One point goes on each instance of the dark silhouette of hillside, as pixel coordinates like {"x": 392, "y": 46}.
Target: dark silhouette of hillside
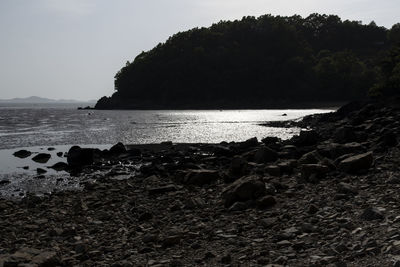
{"x": 270, "y": 61}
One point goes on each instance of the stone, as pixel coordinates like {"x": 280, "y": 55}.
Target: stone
{"x": 356, "y": 163}
{"x": 287, "y": 166}
{"x": 266, "y": 202}
{"x": 41, "y": 158}
{"x": 312, "y": 157}
{"x": 239, "y": 206}
{"x": 22, "y": 153}
{"x": 172, "y": 240}
{"x": 335, "y": 150}
{"x": 371, "y": 214}
{"x": 226, "y": 259}
{"x": 345, "y": 188}
{"x": 201, "y": 177}
{"x": 317, "y": 170}
{"x": 60, "y": 166}
{"x": 145, "y": 216}
{"x": 344, "y": 134}
{"x": 249, "y": 143}
{"x": 306, "y": 138}
{"x": 265, "y": 154}
{"x": 117, "y": 149}
{"x": 273, "y": 170}
{"x": 243, "y": 189}
{"x": 222, "y": 151}
{"x": 268, "y": 222}
{"x": 40, "y": 171}
{"x": 238, "y": 167}
{"x": 161, "y": 189}
{"x": 312, "y": 209}
{"x": 388, "y": 139}
{"x": 78, "y": 157}
{"x": 270, "y": 140}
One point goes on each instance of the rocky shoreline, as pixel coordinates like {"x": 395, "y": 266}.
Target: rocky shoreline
{"x": 326, "y": 197}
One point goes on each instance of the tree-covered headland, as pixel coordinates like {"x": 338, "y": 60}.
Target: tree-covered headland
{"x": 264, "y": 62}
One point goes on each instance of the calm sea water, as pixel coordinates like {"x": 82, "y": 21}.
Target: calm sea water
{"x": 39, "y": 127}
{"x": 25, "y": 125}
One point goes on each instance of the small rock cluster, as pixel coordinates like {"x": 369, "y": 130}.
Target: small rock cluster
{"x": 328, "y": 196}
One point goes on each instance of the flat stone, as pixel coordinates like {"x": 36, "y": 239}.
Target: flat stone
{"x": 372, "y": 213}
{"x": 356, "y": 163}
{"x": 41, "y": 158}
{"x": 22, "y": 153}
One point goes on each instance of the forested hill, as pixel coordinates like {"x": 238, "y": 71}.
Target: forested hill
{"x": 263, "y": 62}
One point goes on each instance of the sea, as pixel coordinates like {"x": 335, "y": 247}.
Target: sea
{"x": 53, "y": 128}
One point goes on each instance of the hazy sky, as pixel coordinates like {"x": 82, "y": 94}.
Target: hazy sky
{"x": 73, "y": 48}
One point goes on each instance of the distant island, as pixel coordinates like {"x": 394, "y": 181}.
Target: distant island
{"x": 264, "y": 62}
{"x": 41, "y": 100}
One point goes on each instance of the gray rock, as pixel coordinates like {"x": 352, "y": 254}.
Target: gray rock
{"x": 265, "y": 154}
{"x": 317, "y": 170}
{"x": 40, "y": 171}
{"x": 22, "y": 153}
{"x": 371, "y": 214}
{"x": 238, "y": 167}
{"x": 60, "y": 166}
{"x": 356, "y": 163}
{"x": 78, "y": 157}
{"x": 41, "y": 158}
{"x": 266, "y": 202}
{"x": 345, "y": 188}
{"x": 273, "y": 170}
{"x": 161, "y": 189}
{"x": 306, "y": 138}
{"x": 243, "y": 189}
{"x": 312, "y": 157}
{"x": 201, "y": 177}
{"x": 249, "y": 143}
{"x": 118, "y": 149}
{"x": 312, "y": 209}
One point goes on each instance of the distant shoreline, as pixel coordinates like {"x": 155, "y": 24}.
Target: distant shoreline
{"x": 278, "y": 106}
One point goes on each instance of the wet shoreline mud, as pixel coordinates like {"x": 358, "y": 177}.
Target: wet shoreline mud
{"x": 328, "y": 196}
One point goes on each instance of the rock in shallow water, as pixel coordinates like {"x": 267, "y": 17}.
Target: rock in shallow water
{"x": 41, "y": 158}
{"x": 60, "y": 166}
{"x": 78, "y": 157}
{"x": 22, "y": 153}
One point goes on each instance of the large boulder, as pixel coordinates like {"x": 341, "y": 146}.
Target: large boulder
{"x": 244, "y": 189}
{"x": 335, "y": 150}
{"x": 265, "y": 154}
{"x": 238, "y": 167}
{"x": 201, "y": 177}
{"x": 118, "y": 149}
{"x": 78, "y": 157}
{"x": 306, "y": 138}
{"x": 357, "y": 163}
{"x": 249, "y": 143}
{"x": 345, "y": 134}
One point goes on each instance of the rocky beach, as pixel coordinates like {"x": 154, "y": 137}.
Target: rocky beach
{"x": 327, "y": 197}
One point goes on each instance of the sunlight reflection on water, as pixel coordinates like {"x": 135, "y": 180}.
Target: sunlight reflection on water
{"x": 66, "y": 125}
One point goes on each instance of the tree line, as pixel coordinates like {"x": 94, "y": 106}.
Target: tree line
{"x": 263, "y": 62}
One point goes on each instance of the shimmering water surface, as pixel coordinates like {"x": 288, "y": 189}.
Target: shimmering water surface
{"x": 25, "y": 126}
{"x": 37, "y": 128}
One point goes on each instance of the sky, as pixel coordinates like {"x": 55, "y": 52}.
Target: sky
{"x": 71, "y": 49}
